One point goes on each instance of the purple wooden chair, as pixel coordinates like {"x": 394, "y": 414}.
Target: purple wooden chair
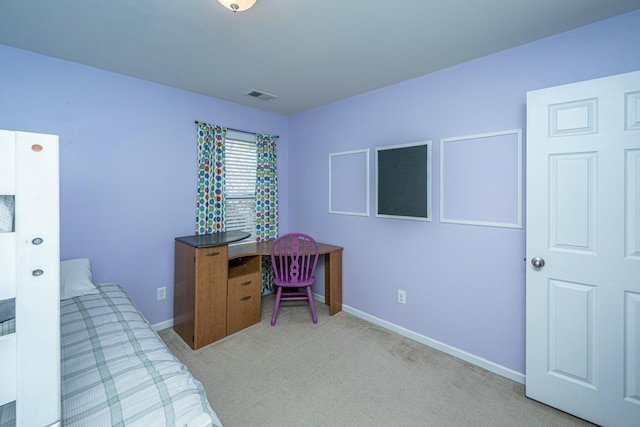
{"x": 294, "y": 257}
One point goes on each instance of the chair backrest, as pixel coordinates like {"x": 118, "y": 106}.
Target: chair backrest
{"x": 294, "y": 257}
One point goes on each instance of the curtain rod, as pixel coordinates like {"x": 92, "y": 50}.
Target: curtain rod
{"x": 236, "y": 130}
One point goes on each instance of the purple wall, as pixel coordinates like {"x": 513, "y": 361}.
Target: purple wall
{"x": 465, "y": 284}
{"x": 128, "y": 163}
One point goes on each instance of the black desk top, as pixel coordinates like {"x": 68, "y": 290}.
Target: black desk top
{"x": 216, "y": 239}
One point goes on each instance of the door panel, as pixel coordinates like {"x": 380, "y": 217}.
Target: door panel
{"x": 632, "y": 346}
{"x": 572, "y": 202}
{"x": 571, "y": 331}
{"x": 632, "y": 204}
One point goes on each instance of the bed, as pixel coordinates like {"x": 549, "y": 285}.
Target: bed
{"x": 115, "y": 369}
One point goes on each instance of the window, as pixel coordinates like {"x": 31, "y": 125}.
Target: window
{"x": 240, "y": 184}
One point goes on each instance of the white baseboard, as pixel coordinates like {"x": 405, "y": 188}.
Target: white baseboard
{"x": 460, "y": 354}
{"x": 163, "y": 325}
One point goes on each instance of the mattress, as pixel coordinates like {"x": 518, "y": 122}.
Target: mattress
{"x": 116, "y": 371}
{"x": 7, "y": 316}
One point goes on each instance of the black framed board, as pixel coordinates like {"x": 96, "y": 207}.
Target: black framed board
{"x": 403, "y": 181}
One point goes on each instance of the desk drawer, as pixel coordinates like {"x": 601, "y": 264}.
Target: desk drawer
{"x": 249, "y": 284}
{"x": 243, "y": 302}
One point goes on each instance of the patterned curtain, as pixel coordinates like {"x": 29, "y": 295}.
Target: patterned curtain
{"x": 210, "y": 202}
{"x": 266, "y": 200}
{"x": 266, "y": 188}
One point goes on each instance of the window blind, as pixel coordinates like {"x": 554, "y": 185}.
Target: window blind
{"x": 240, "y": 185}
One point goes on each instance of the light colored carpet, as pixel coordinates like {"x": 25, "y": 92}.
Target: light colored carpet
{"x": 345, "y": 371}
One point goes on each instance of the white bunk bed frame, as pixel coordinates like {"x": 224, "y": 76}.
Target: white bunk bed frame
{"x": 30, "y": 279}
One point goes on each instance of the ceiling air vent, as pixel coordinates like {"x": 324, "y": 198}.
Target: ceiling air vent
{"x": 261, "y": 95}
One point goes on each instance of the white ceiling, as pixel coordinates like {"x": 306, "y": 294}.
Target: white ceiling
{"x": 306, "y": 52}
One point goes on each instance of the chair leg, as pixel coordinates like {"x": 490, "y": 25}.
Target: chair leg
{"x": 277, "y": 304}
{"x": 313, "y": 308}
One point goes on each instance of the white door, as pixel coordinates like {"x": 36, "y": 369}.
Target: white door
{"x": 583, "y": 249}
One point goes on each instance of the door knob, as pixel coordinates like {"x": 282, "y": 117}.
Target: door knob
{"x": 537, "y": 262}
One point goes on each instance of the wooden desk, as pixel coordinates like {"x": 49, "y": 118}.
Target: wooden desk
{"x": 332, "y": 267}
{"x": 217, "y": 287}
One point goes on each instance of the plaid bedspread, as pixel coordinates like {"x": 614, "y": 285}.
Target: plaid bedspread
{"x": 116, "y": 371}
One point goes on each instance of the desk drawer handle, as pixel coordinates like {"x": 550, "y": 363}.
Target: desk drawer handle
{"x": 245, "y": 298}
{"x": 248, "y": 282}
{"x": 213, "y": 253}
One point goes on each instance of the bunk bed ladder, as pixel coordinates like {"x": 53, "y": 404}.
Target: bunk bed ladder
{"x": 30, "y": 280}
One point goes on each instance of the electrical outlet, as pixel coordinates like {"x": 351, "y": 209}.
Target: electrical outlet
{"x": 402, "y": 296}
{"x": 162, "y": 293}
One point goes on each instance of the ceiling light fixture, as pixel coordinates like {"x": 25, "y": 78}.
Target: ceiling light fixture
{"x": 237, "y": 5}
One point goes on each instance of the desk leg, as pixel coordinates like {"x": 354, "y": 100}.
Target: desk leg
{"x": 333, "y": 281}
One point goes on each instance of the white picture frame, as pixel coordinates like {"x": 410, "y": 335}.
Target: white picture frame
{"x": 349, "y": 183}
{"x": 481, "y": 179}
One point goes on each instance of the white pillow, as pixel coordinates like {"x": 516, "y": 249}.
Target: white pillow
{"x": 75, "y": 278}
